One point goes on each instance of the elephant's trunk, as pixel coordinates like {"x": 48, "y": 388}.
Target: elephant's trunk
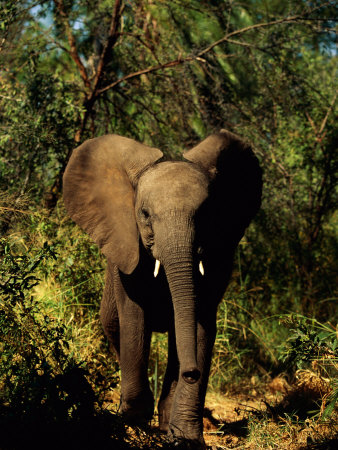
{"x": 178, "y": 265}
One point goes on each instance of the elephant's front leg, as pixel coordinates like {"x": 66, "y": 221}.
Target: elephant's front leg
{"x": 137, "y": 402}
{"x": 186, "y": 420}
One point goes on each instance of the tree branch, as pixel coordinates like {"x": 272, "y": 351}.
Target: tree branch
{"x": 256, "y": 26}
{"x": 199, "y": 55}
{"x": 109, "y": 44}
{"x": 104, "y": 59}
{"x": 145, "y": 71}
{"x": 72, "y": 44}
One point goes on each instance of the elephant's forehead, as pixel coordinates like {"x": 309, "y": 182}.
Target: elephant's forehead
{"x": 174, "y": 181}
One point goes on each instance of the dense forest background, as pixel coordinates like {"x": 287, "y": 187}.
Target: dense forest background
{"x": 167, "y": 74}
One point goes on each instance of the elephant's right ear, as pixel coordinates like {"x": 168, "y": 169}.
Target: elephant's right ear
{"x": 235, "y": 181}
{"x": 98, "y": 191}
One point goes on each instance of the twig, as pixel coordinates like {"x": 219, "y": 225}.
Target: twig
{"x": 327, "y": 114}
{"x": 312, "y": 124}
{"x": 319, "y": 133}
{"x": 4, "y": 208}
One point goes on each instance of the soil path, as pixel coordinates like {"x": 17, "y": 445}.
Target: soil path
{"x": 259, "y": 416}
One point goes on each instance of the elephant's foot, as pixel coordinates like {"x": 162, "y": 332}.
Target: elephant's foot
{"x": 188, "y": 444}
{"x": 164, "y": 408}
{"x": 185, "y": 439}
{"x": 138, "y": 410}
{"x": 163, "y": 417}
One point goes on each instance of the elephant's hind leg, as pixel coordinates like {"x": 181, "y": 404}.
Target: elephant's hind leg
{"x": 108, "y": 312}
{"x": 169, "y": 383}
{"x": 137, "y": 401}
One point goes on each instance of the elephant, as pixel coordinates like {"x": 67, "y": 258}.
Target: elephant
{"x": 169, "y": 230}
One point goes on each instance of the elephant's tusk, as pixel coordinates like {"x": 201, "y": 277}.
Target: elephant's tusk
{"x": 201, "y": 268}
{"x": 157, "y": 268}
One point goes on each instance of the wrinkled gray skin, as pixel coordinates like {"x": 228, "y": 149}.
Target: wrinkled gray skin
{"x": 138, "y": 208}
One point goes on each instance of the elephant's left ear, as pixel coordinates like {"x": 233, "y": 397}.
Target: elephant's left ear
{"x": 235, "y": 179}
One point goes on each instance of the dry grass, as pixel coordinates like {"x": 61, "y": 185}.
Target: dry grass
{"x": 272, "y": 415}
{"x": 256, "y": 415}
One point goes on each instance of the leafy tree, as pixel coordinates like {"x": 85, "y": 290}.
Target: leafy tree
{"x": 170, "y": 73}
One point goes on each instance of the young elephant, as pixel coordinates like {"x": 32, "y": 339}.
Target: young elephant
{"x": 185, "y": 218}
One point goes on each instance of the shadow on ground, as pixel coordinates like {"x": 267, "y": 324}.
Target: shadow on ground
{"x": 239, "y": 421}
{"x": 103, "y": 432}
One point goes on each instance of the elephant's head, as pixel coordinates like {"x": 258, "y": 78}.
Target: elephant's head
{"x": 186, "y": 212}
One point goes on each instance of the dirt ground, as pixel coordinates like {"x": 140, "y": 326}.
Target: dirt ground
{"x": 269, "y": 415}
{"x": 226, "y": 419}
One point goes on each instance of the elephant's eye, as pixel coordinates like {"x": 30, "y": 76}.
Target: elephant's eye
{"x": 145, "y": 214}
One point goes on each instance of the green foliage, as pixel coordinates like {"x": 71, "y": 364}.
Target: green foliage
{"x": 309, "y": 340}
{"x": 37, "y": 129}
{"x": 52, "y": 382}
{"x": 313, "y": 342}
{"x": 39, "y": 375}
